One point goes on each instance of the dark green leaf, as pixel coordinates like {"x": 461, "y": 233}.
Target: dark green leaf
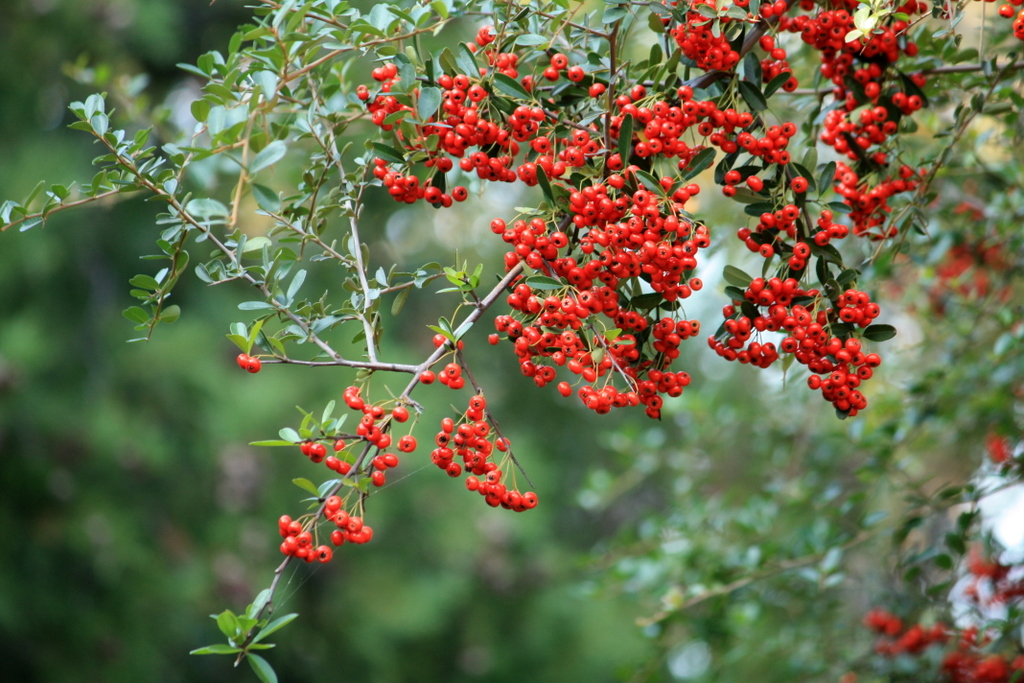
{"x": 543, "y": 282}
{"x": 625, "y": 144}
{"x": 388, "y": 153}
{"x": 702, "y": 160}
{"x": 879, "y": 333}
{"x": 736, "y": 277}
{"x": 752, "y": 96}
{"x": 510, "y": 86}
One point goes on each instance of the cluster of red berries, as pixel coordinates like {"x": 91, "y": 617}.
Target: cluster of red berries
{"x": 247, "y": 362}
{"x": 807, "y": 318}
{"x": 473, "y": 441}
{"x": 703, "y": 43}
{"x": 899, "y": 641}
{"x": 623, "y": 236}
{"x": 993, "y": 583}
{"x": 299, "y": 541}
{"x": 965, "y": 664}
{"x": 859, "y": 71}
{"x": 628, "y": 232}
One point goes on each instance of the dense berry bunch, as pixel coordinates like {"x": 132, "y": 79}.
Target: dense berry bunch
{"x": 967, "y": 662}
{"x": 820, "y": 336}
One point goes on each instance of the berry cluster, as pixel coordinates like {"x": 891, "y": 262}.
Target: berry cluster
{"x": 820, "y": 336}
{"x": 967, "y": 663}
{"x": 703, "y": 42}
{"x": 475, "y": 443}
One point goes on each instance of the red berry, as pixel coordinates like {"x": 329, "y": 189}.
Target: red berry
{"x": 400, "y": 413}
{"x": 243, "y": 360}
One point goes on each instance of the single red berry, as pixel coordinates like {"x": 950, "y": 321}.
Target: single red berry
{"x": 427, "y": 377}
{"x": 407, "y": 444}
{"x": 400, "y": 413}
{"x": 253, "y": 365}
{"x": 559, "y": 61}
{"x": 378, "y": 478}
{"x": 597, "y": 89}
{"x": 459, "y": 193}
{"x": 799, "y": 184}
{"x": 243, "y": 360}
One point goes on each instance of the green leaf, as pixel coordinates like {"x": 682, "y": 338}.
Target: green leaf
{"x": 200, "y": 110}
{"x": 399, "y": 302}
{"x": 752, "y": 96}
{"x": 272, "y": 442}
{"x": 296, "y": 283}
{"x": 736, "y": 277}
{"x": 466, "y": 61}
{"x": 735, "y": 293}
{"x": 776, "y": 83}
{"x": 510, "y": 86}
{"x": 698, "y": 163}
{"x": 275, "y": 625}
{"x": 289, "y": 434}
{"x": 170, "y": 314}
{"x": 227, "y": 622}
{"x": 545, "y": 185}
{"x": 216, "y": 649}
{"x": 266, "y": 198}
{"x": 879, "y": 333}
{"x": 254, "y": 305}
{"x": 527, "y": 39}
{"x": 136, "y": 314}
{"x": 144, "y": 281}
{"x": 259, "y": 603}
{"x": 255, "y": 244}
{"x": 429, "y": 101}
{"x": 388, "y": 153}
{"x": 613, "y": 14}
{"x": 205, "y": 207}
{"x": 544, "y": 282}
{"x": 625, "y": 143}
{"x": 263, "y": 670}
{"x": 268, "y": 156}
{"x": 306, "y": 485}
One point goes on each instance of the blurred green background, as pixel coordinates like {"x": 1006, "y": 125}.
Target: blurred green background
{"x": 131, "y": 506}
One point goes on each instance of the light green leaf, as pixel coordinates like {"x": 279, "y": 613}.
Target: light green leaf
{"x": 263, "y": 670}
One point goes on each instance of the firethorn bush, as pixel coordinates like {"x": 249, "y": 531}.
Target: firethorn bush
{"x": 800, "y": 166}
